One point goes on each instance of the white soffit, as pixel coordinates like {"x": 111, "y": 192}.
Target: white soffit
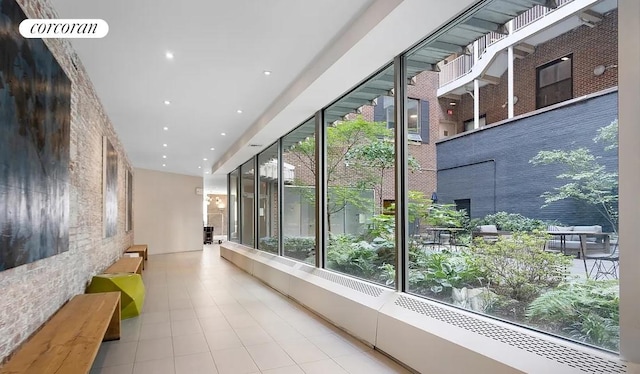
{"x": 373, "y": 40}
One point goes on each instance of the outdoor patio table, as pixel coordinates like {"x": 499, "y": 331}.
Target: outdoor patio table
{"x": 436, "y": 233}
{"x": 583, "y": 242}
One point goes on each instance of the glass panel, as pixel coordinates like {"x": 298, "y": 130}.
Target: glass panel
{"x": 268, "y": 204}
{"x": 247, "y": 188}
{"x": 413, "y": 121}
{"x": 523, "y": 224}
{"x": 299, "y": 209}
{"x": 413, "y": 114}
{"x": 559, "y": 71}
{"x": 360, "y": 166}
{"x": 233, "y": 205}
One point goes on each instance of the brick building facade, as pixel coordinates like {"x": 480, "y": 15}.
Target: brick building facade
{"x": 588, "y": 46}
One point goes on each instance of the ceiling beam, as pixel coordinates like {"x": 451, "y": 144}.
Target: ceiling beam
{"x": 524, "y": 47}
{"x": 338, "y": 109}
{"x": 354, "y": 100}
{"x": 372, "y": 91}
{"x": 442, "y": 46}
{"x": 451, "y": 96}
{"x": 421, "y": 65}
{"x": 482, "y": 24}
{"x": 490, "y": 79}
{"x": 590, "y": 16}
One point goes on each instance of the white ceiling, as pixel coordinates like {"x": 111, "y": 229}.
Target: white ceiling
{"x": 315, "y": 50}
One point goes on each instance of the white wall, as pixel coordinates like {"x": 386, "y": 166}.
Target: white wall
{"x": 167, "y": 213}
{"x": 629, "y": 155}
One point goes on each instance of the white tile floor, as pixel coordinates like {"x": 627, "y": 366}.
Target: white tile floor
{"x": 204, "y": 315}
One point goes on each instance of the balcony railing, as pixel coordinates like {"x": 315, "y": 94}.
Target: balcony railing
{"x": 534, "y": 14}
{"x": 463, "y": 64}
{"x": 455, "y": 69}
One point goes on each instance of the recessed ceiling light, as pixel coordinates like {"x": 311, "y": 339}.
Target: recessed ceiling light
{"x": 167, "y": 102}
{"x": 206, "y": 172}
{"x": 213, "y": 149}
{"x": 204, "y": 159}
{"x": 164, "y": 156}
{"x": 266, "y": 72}
{"x": 164, "y": 145}
{"x": 165, "y": 128}
{"x": 164, "y": 164}
{"x": 169, "y": 55}
{"x": 223, "y": 133}
{"x": 199, "y": 167}
{"x": 239, "y": 111}
{"x": 452, "y": 103}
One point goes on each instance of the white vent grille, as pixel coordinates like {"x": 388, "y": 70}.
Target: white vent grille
{"x": 354, "y": 284}
{"x": 550, "y": 350}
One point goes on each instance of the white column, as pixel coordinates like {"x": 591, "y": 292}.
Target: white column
{"x": 510, "y": 75}
{"x": 476, "y": 90}
{"x": 629, "y": 153}
{"x": 476, "y": 104}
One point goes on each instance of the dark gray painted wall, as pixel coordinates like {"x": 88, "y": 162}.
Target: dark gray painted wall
{"x": 491, "y": 167}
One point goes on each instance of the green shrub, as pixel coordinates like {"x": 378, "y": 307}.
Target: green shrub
{"x": 353, "y": 258}
{"x": 299, "y": 247}
{"x": 587, "y": 311}
{"x": 509, "y": 222}
{"x": 269, "y": 244}
{"x": 446, "y": 215}
{"x": 518, "y": 267}
{"x": 382, "y": 226}
{"x": 439, "y": 272}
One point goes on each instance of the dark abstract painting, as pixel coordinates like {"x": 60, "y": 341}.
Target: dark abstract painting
{"x": 35, "y": 105}
{"x": 129, "y": 225}
{"x": 110, "y": 178}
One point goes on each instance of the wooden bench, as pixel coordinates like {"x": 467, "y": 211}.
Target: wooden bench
{"x": 69, "y": 341}
{"x": 126, "y": 265}
{"x": 140, "y": 249}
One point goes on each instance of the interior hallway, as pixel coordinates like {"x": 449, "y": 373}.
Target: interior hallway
{"x": 204, "y": 315}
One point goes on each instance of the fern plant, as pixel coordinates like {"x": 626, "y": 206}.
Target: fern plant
{"x": 587, "y": 311}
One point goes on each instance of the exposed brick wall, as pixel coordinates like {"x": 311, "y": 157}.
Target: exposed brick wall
{"x": 590, "y": 47}
{"x": 33, "y": 292}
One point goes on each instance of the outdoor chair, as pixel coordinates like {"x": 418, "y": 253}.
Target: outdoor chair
{"x": 488, "y": 232}
{"x": 606, "y": 264}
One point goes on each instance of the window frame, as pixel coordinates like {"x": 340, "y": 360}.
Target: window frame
{"x": 559, "y": 60}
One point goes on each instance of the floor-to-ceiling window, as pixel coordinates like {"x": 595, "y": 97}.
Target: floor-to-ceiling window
{"x": 299, "y": 202}
{"x": 234, "y": 209}
{"x": 360, "y": 161}
{"x": 247, "y": 174}
{"x": 518, "y": 221}
{"x": 268, "y": 237}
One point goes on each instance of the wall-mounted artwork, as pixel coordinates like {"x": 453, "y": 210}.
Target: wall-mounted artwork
{"x": 129, "y": 208}
{"x": 35, "y": 106}
{"x": 110, "y": 188}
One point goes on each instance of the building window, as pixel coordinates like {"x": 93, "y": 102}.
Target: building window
{"x": 412, "y": 116}
{"x": 554, "y": 82}
{"x": 468, "y": 124}
{"x": 413, "y": 119}
{"x": 417, "y": 116}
